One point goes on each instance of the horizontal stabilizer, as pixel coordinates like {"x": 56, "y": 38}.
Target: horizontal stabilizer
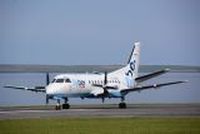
{"x": 151, "y": 75}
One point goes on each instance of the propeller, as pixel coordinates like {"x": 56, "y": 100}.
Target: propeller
{"x": 105, "y": 91}
{"x": 47, "y": 99}
{"x": 47, "y": 83}
{"x": 105, "y": 87}
{"x": 105, "y": 83}
{"x": 47, "y": 79}
{"x": 105, "y": 78}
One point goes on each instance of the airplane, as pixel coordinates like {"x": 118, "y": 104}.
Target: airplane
{"x": 115, "y": 84}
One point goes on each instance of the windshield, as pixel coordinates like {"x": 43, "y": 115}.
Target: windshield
{"x": 59, "y": 80}
{"x": 68, "y": 81}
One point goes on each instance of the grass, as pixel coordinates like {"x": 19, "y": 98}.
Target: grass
{"x": 134, "y": 125}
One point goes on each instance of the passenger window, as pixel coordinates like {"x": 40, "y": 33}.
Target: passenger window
{"x": 59, "y": 80}
{"x": 68, "y": 81}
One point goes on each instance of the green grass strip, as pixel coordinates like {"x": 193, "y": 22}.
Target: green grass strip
{"x": 134, "y": 125}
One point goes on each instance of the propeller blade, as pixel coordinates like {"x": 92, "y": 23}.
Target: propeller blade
{"x": 47, "y": 99}
{"x": 47, "y": 79}
{"x": 105, "y": 79}
{"x": 47, "y": 83}
{"x": 105, "y": 84}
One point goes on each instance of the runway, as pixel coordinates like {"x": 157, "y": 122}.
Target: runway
{"x": 106, "y": 110}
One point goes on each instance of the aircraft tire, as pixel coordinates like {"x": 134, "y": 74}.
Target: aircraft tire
{"x": 58, "y": 107}
{"x": 66, "y": 106}
{"x": 122, "y": 105}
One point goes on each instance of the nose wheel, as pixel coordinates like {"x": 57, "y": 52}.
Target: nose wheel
{"x": 58, "y": 106}
{"x": 65, "y": 106}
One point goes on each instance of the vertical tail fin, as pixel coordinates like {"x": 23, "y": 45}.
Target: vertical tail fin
{"x": 133, "y": 61}
{"x": 131, "y": 69}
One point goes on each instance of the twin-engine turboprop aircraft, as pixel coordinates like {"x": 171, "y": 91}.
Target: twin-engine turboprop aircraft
{"x": 116, "y": 84}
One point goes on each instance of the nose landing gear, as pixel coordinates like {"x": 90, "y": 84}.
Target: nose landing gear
{"x": 66, "y": 105}
{"x": 63, "y": 106}
{"x": 58, "y": 106}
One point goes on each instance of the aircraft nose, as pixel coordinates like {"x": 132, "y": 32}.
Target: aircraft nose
{"x": 53, "y": 89}
{"x": 49, "y": 90}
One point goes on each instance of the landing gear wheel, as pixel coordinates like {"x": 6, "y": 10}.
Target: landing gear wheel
{"x": 66, "y": 106}
{"x": 58, "y": 107}
{"x": 122, "y": 105}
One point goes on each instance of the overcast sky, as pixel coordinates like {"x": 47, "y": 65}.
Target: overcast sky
{"x": 66, "y": 32}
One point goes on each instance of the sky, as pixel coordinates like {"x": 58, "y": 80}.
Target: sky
{"x": 60, "y": 32}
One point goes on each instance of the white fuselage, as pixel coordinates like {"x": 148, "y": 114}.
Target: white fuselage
{"x": 81, "y": 85}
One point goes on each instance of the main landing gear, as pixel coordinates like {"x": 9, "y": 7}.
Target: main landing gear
{"x": 122, "y": 104}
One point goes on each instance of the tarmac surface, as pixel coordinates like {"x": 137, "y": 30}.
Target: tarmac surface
{"x": 106, "y": 110}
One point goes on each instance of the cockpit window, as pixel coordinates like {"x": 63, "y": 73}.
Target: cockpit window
{"x": 59, "y": 80}
{"x": 53, "y": 80}
{"x": 68, "y": 81}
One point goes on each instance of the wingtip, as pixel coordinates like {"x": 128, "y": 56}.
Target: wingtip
{"x": 185, "y": 81}
{"x": 7, "y": 86}
{"x": 167, "y": 69}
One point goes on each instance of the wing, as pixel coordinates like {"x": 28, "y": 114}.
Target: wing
{"x": 151, "y": 75}
{"x": 34, "y": 89}
{"x": 139, "y": 88}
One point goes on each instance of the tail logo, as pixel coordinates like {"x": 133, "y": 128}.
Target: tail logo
{"x": 131, "y": 68}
